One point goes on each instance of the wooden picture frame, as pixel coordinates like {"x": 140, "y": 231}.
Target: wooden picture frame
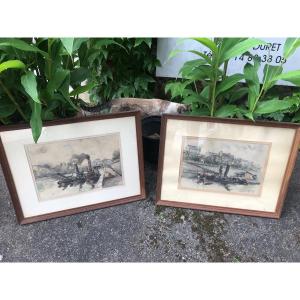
{"x": 117, "y": 169}
{"x": 197, "y": 180}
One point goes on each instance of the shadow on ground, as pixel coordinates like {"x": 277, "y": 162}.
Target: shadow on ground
{"x": 141, "y": 232}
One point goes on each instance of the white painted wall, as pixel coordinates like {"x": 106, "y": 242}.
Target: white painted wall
{"x": 171, "y": 67}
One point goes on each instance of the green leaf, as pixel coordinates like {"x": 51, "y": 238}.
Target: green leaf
{"x": 270, "y": 72}
{"x": 271, "y": 106}
{"x": 228, "y": 83}
{"x": 204, "y": 56}
{"x": 174, "y": 52}
{"x": 68, "y": 44}
{"x": 29, "y": 84}
{"x": 228, "y": 110}
{"x": 56, "y": 81}
{"x": 292, "y": 76}
{"x": 296, "y": 117}
{"x": 199, "y": 111}
{"x": 177, "y": 88}
{"x": 7, "y": 108}
{"x": 290, "y": 46}
{"x": 36, "y": 120}
{"x": 64, "y": 90}
{"x": 82, "y": 89}
{"x": 11, "y": 64}
{"x": 195, "y": 98}
{"x": 142, "y": 82}
{"x": 208, "y": 43}
{"x": 241, "y": 111}
{"x": 250, "y": 72}
{"x": 205, "y": 92}
{"x": 241, "y": 48}
{"x": 191, "y": 99}
{"x": 139, "y": 41}
{"x": 196, "y": 70}
{"x": 249, "y": 115}
{"x": 102, "y": 42}
{"x": 21, "y": 45}
{"x": 277, "y": 116}
{"x": 78, "y": 75}
{"x": 78, "y": 42}
{"x": 226, "y": 44}
{"x": 47, "y": 115}
{"x": 238, "y": 94}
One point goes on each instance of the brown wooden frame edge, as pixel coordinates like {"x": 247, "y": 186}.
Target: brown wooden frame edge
{"x": 12, "y": 188}
{"x": 284, "y": 185}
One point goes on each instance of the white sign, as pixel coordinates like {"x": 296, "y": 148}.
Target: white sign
{"x": 270, "y": 53}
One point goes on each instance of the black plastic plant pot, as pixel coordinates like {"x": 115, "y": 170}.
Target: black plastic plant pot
{"x": 151, "y": 137}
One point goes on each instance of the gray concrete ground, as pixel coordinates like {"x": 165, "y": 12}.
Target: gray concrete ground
{"x": 141, "y": 232}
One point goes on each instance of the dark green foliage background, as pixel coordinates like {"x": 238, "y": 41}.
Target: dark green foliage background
{"x": 43, "y": 78}
{"x": 126, "y": 71}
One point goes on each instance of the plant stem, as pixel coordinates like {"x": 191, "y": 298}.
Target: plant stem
{"x": 214, "y": 85}
{"x": 49, "y": 59}
{"x": 67, "y": 63}
{"x": 213, "y": 98}
{"x": 225, "y": 69}
{"x": 257, "y": 99}
{"x": 11, "y": 97}
{"x": 195, "y": 85}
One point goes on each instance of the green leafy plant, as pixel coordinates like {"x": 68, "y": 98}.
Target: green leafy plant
{"x": 125, "y": 69}
{"x": 206, "y": 85}
{"x": 43, "y": 78}
{"x": 259, "y": 103}
{"x": 209, "y": 91}
{"x": 36, "y": 79}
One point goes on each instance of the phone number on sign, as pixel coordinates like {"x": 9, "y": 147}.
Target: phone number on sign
{"x": 278, "y": 59}
{"x": 264, "y": 58}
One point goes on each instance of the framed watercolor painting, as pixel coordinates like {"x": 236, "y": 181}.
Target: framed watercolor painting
{"x": 226, "y": 165}
{"x": 77, "y": 165}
